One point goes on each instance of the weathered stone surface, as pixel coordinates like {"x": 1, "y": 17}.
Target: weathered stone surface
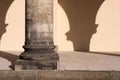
{"x": 39, "y": 23}
{"x": 59, "y": 75}
{"x": 35, "y": 65}
{"x": 37, "y": 61}
{"x": 27, "y": 75}
{"x": 39, "y": 46}
{"x": 14, "y": 75}
{"x": 8, "y": 75}
{"x": 79, "y": 75}
{"x": 42, "y": 56}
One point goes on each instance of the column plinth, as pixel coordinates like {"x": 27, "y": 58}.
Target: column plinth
{"x": 39, "y": 46}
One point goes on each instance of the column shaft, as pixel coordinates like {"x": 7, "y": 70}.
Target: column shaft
{"x": 39, "y": 46}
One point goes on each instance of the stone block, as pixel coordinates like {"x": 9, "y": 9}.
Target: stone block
{"x": 35, "y": 65}
{"x": 17, "y": 75}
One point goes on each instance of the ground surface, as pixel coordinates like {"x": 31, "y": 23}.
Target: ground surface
{"x": 72, "y": 61}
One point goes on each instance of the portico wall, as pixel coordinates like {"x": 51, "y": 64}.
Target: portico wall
{"x": 106, "y": 37}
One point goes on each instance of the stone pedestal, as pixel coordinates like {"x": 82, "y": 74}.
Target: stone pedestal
{"x": 39, "y": 46}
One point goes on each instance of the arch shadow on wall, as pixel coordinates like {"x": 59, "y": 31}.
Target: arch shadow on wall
{"x": 81, "y": 15}
{"x": 4, "y": 6}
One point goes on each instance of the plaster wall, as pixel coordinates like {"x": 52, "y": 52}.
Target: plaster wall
{"x": 106, "y": 37}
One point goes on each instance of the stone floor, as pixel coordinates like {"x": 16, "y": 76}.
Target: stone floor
{"x": 90, "y": 61}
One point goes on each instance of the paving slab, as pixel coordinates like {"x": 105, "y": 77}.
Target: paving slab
{"x": 71, "y": 61}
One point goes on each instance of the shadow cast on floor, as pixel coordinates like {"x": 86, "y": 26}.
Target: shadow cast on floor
{"x": 106, "y": 53}
{"x": 81, "y": 15}
{"x": 10, "y": 57}
{"x": 4, "y": 6}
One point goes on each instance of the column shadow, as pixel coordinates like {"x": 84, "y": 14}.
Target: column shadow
{"x": 10, "y": 57}
{"x": 4, "y": 6}
{"x": 81, "y": 15}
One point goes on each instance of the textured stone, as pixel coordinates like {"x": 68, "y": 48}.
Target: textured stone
{"x": 59, "y": 75}
{"x": 39, "y": 24}
{"x": 42, "y": 56}
{"x": 39, "y": 46}
{"x": 35, "y": 65}
{"x": 78, "y": 75}
{"x": 14, "y": 75}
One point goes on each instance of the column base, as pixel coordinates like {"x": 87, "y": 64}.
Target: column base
{"x": 35, "y": 65}
{"x": 37, "y": 61}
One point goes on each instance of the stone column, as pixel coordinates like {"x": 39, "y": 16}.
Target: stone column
{"x": 39, "y": 46}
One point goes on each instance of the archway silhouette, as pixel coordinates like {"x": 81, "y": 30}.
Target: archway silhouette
{"x": 4, "y": 6}
{"x": 81, "y": 15}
